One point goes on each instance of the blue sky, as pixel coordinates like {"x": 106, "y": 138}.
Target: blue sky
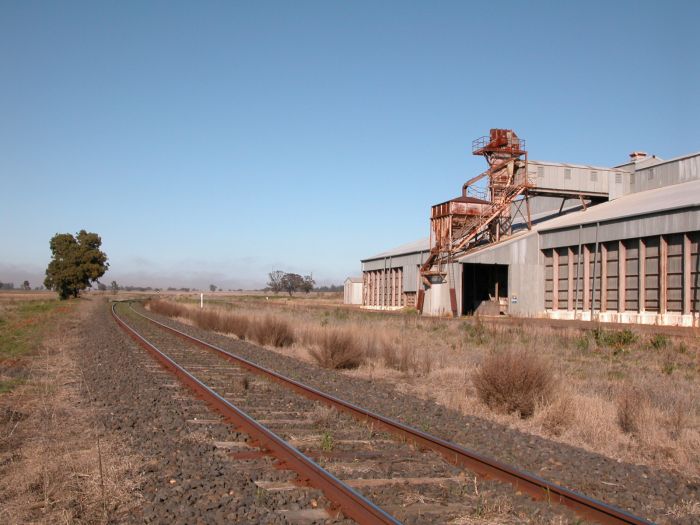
{"x": 211, "y": 142}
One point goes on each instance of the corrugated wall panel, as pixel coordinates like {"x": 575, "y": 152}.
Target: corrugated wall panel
{"x": 548, "y": 279}
{"x": 674, "y": 281}
{"x": 651, "y": 274}
{"x": 632, "y": 275}
{"x": 694, "y": 271}
{"x": 613, "y": 279}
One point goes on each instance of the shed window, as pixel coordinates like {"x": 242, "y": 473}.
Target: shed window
{"x": 594, "y": 176}
{"x": 650, "y": 174}
{"x": 633, "y": 179}
{"x": 618, "y": 178}
{"x": 567, "y": 174}
{"x": 540, "y": 172}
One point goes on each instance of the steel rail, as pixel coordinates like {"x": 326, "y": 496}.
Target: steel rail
{"x": 535, "y": 486}
{"x": 352, "y": 503}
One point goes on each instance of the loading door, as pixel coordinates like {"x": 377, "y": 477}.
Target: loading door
{"x": 484, "y": 288}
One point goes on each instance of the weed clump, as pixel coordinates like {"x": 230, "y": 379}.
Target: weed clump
{"x": 659, "y": 342}
{"x": 272, "y": 331}
{"x": 338, "y": 348}
{"x": 617, "y": 339}
{"x": 514, "y": 381}
{"x": 633, "y": 406}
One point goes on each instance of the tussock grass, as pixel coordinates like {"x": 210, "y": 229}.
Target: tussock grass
{"x": 272, "y": 331}
{"x": 514, "y": 381}
{"x": 633, "y": 409}
{"x": 338, "y": 348}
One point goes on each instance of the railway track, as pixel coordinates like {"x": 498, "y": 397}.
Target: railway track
{"x": 379, "y": 471}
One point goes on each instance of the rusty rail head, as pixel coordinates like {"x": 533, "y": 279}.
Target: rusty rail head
{"x": 535, "y": 486}
{"x": 352, "y": 503}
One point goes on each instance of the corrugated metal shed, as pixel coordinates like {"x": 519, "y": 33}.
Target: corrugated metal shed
{"x": 421, "y": 245}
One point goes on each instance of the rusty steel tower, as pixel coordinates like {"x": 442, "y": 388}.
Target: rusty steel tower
{"x": 480, "y": 215}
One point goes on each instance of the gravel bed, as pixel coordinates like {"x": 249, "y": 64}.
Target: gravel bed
{"x": 438, "y": 491}
{"x": 184, "y": 477}
{"x": 642, "y": 490}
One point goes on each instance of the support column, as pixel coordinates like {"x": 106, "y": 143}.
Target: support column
{"x": 603, "y": 278}
{"x": 555, "y": 279}
{"x": 571, "y": 291}
{"x": 686, "y": 274}
{"x": 586, "y": 277}
{"x": 642, "y": 274}
{"x": 663, "y": 275}
{"x": 621, "y": 276}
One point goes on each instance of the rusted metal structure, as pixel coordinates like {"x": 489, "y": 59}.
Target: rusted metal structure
{"x": 352, "y": 503}
{"x": 480, "y": 215}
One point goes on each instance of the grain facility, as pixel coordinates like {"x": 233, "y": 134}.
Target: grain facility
{"x": 546, "y": 239}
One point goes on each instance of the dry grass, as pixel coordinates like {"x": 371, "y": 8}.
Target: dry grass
{"x": 514, "y": 381}
{"x": 338, "y": 348}
{"x": 55, "y": 465}
{"x": 633, "y": 409}
{"x": 271, "y": 331}
{"x": 437, "y": 359}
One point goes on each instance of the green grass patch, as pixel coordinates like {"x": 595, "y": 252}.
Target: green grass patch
{"x": 9, "y": 385}
{"x": 22, "y": 325}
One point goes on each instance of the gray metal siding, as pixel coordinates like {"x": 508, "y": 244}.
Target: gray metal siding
{"x": 677, "y": 221}
{"x": 526, "y": 272}
{"x": 665, "y": 174}
{"x": 569, "y": 177}
{"x": 410, "y": 264}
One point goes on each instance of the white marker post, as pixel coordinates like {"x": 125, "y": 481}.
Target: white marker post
{"x": 201, "y": 300}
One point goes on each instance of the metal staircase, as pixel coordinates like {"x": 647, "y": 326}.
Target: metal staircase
{"x": 460, "y": 225}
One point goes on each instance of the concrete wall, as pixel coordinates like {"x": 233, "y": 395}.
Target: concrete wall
{"x": 437, "y": 296}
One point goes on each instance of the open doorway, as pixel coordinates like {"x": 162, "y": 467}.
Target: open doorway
{"x": 484, "y": 289}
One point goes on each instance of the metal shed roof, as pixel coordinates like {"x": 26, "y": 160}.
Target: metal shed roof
{"x": 673, "y": 197}
{"x": 421, "y": 245}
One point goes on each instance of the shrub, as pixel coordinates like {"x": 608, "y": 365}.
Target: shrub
{"x": 513, "y": 381}
{"x": 659, "y": 342}
{"x": 338, "y": 348}
{"x": 617, "y": 339}
{"x": 271, "y": 331}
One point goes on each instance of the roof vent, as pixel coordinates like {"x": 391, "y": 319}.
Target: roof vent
{"x": 638, "y": 155}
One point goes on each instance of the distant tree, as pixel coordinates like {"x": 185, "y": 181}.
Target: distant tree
{"x": 101, "y": 287}
{"x": 331, "y": 288}
{"x": 275, "y": 282}
{"x": 77, "y": 261}
{"x": 25, "y": 286}
{"x": 308, "y": 284}
{"x": 291, "y": 282}
{"x": 114, "y": 286}
{"x": 212, "y": 287}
